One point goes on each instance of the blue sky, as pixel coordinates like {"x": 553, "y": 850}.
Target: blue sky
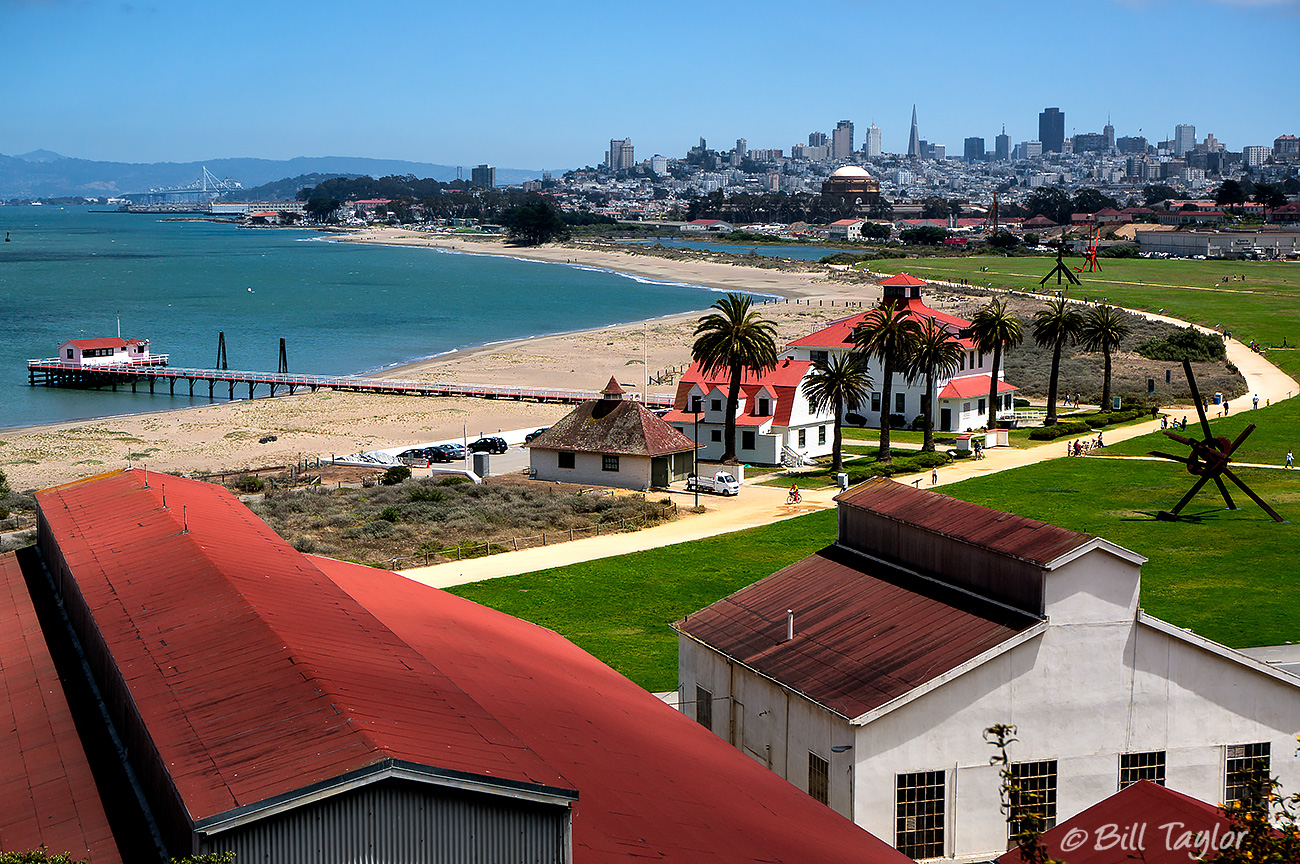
{"x": 546, "y": 85}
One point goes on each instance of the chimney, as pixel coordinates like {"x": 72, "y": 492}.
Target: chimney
{"x": 789, "y": 625}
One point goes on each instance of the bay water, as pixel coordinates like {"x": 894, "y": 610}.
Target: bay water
{"x": 343, "y": 308}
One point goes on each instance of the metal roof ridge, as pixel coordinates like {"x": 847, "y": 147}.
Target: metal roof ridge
{"x": 1205, "y": 643}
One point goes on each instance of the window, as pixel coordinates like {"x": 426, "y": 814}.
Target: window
{"x": 961, "y": 361}
{"x": 972, "y": 359}
{"x": 566, "y": 459}
{"x": 819, "y": 778}
{"x": 821, "y": 434}
{"x": 763, "y": 409}
{"x": 680, "y": 429}
{"x": 965, "y": 407}
{"x": 703, "y": 707}
{"x": 1246, "y": 774}
{"x": 1033, "y": 794}
{"x": 715, "y": 405}
{"x": 609, "y": 462}
{"x": 982, "y": 404}
{"x": 697, "y": 404}
{"x": 803, "y": 437}
{"x": 918, "y": 814}
{"x": 715, "y": 434}
{"x": 747, "y": 440}
{"x": 1141, "y": 766}
{"x": 900, "y": 403}
{"x": 814, "y": 356}
{"x": 69, "y": 353}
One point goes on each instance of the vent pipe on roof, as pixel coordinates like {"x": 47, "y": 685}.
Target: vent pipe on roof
{"x": 185, "y": 519}
{"x": 164, "y": 495}
{"x": 146, "y": 476}
{"x": 789, "y": 625}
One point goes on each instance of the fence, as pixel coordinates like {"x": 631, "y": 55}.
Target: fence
{"x": 514, "y": 544}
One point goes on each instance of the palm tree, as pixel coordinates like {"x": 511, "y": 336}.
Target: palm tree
{"x": 733, "y": 339}
{"x": 1054, "y": 326}
{"x": 935, "y": 354}
{"x": 996, "y": 330}
{"x": 838, "y": 383}
{"x": 1104, "y": 327}
{"x": 886, "y": 335}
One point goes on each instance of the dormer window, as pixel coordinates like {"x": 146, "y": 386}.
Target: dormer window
{"x": 697, "y": 404}
{"x": 764, "y": 407}
{"x": 715, "y": 405}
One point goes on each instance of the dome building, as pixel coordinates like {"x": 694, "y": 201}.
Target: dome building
{"x": 852, "y": 186}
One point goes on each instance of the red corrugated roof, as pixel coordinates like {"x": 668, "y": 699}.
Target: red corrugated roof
{"x": 972, "y": 386}
{"x": 1094, "y": 832}
{"x": 106, "y": 342}
{"x": 903, "y": 280}
{"x": 865, "y": 634}
{"x": 47, "y": 792}
{"x": 840, "y": 333}
{"x": 244, "y": 686}
{"x": 653, "y": 783}
{"x": 1005, "y": 533}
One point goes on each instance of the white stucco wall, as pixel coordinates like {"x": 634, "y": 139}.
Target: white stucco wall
{"x": 633, "y": 471}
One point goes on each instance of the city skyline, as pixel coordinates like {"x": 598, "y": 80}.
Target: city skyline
{"x": 148, "y": 83}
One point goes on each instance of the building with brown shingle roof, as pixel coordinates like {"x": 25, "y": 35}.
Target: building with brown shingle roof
{"x": 611, "y": 441}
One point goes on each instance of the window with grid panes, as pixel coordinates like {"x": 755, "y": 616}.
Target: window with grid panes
{"x": 1034, "y": 792}
{"x": 919, "y": 801}
{"x": 819, "y": 778}
{"x": 1246, "y": 770}
{"x": 704, "y": 707}
{"x": 1141, "y": 766}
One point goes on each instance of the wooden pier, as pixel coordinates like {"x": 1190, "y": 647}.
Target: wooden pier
{"x": 53, "y": 372}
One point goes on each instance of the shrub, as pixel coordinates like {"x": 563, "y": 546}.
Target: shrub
{"x": 390, "y": 514}
{"x": 1021, "y": 403}
{"x": 454, "y": 480}
{"x": 855, "y": 419}
{"x": 1187, "y": 344}
{"x": 897, "y": 421}
{"x": 1120, "y": 252}
{"x": 250, "y": 483}
{"x": 1060, "y": 430}
{"x": 426, "y": 493}
{"x": 395, "y": 475}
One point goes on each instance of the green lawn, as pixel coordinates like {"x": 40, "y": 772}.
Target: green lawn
{"x": 1227, "y": 575}
{"x": 1277, "y": 429}
{"x": 1265, "y": 307}
{"x": 619, "y": 608}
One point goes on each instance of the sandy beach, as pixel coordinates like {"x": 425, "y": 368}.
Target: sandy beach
{"x": 225, "y": 435}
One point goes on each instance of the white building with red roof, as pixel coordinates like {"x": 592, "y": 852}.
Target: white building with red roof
{"x": 108, "y": 351}
{"x": 960, "y": 401}
{"x": 867, "y": 672}
{"x": 775, "y": 423}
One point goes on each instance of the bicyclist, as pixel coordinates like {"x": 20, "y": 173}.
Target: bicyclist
{"x": 794, "y": 492}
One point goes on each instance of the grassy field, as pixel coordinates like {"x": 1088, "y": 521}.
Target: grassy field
{"x": 1264, "y": 307}
{"x": 1277, "y": 429}
{"x": 619, "y": 608}
{"x": 1228, "y": 575}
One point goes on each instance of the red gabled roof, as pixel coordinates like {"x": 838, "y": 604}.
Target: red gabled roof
{"x": 903, "y": 280}
{"x": 106, "y": 342}
{"x": 257, "y": 699}
{"x": 972, "y": 386}
{"x": 613, "y": 426}
{"x": 1142, "y": 804}
{"x": 839, "y": 334}
{"x": 47, "y": 792}
{"x": 782, "y": 382}
{"x": 995, "y": 530}
{"x": 865, "y": 634}
{"x": 653, "y": 783}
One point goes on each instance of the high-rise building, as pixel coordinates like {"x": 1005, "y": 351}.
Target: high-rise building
{"x": 1089, "y": 142}
{"x": 872, "y": 145}
{"x": 620, "y": 156}
{"x": 1254, "y": 156}
{"x": 742, "y": 147}
{"x": 914, "y": 138}
{"x": 658, "y": 164}
{"x": 1109, "y": 131}
{"x": 1002, "y": 145}
{"x": 974, "y": 150}
{"x": 1031, "y": 149}
{"x": 842, "y": 140}
{"x": 937, "y": 152}
{"x": 1212, "y": 144}
{"x": 1132, "y": 144}
{"x": 1184, "y": 139}
{"x": 1051, "y": 129}
{"x": 484, "y": 175}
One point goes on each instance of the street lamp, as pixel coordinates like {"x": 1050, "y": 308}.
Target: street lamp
{"x": 696, "y": 412}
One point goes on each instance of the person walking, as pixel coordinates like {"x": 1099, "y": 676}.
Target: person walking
{"x": 1289, "y": 463}
{"x": 1225, "y": 407}
{"x": 934, "y": 476}
{"x": 1255, "y": 402}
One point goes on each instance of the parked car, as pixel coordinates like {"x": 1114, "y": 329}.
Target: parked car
{"x": 436, "y": 454}
{"x": 489, "y": 445}
{"x": 414, "y": 454}
{"x": 453, "y": 451}
{"x": 528, "y": 439}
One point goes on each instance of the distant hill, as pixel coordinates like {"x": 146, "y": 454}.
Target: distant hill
{"x": 44, "y": 174}
{"x": 284, "y": 190}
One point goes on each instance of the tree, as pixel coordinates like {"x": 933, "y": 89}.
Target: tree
{"x": 996, "y": 330}
{"x": 1158, "y": 192}
{"x": 926, "y": 235}
{"x": 1054, "y": 326}
{"x": 1270, "y": 196}
{"x": 322, "y": 208}
{"x": 935, "y": 207}
{"x": 1090, "y": 201}
{"x": 838, "y": 383}
{"x": 535, "y": 221}
{"x": 1003, "y": 239}
{"x": 887, "y": 335}
{"x": 1104, "y": 327}
{"x": 734, "y": 338}
{"x": 934, "y": 353}
{"x": 1052, "y": 202}
{"x": 877, "y": 230}
{"x": 1230, "y": 193}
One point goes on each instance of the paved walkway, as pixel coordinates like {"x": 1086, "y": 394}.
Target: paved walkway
{"x": 763, "y": 505}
